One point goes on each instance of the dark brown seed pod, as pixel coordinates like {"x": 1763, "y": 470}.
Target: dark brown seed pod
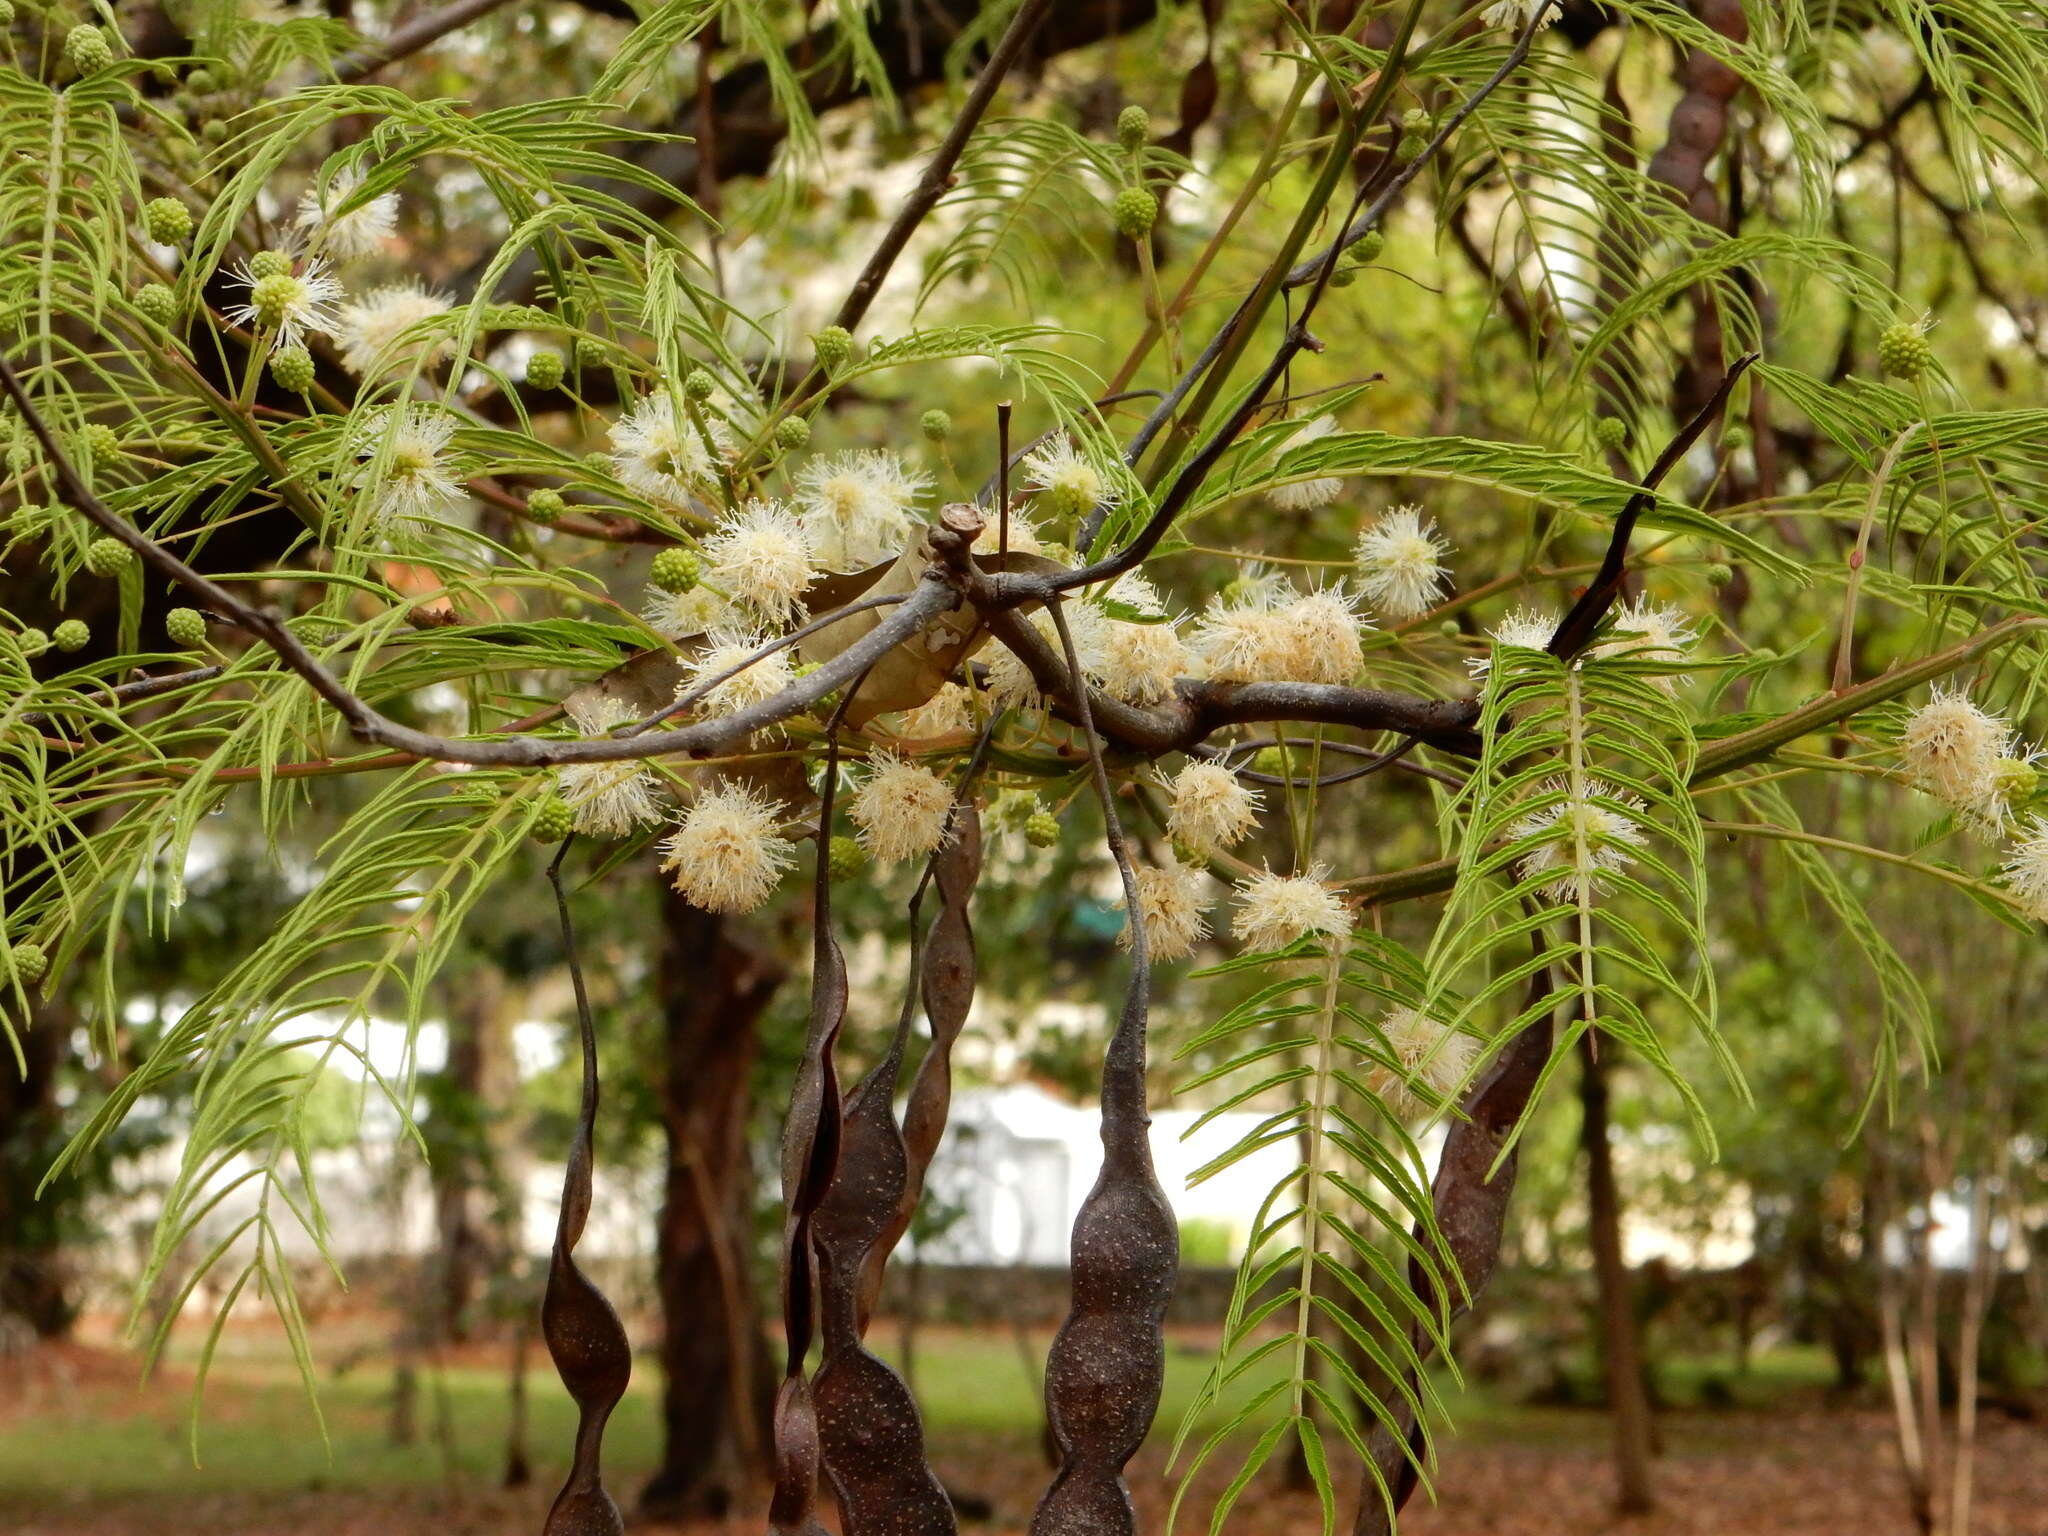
{"x": 584, "y": 1336}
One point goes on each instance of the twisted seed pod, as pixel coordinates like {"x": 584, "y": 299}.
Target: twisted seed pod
{"x": 584, "y": 1336}
{"x": 1103, "y": 1375}
{"x": 1470, "y": 1198}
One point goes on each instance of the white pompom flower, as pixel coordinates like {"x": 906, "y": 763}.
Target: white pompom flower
{"x": 1211, "y": 808}
{"x": 1275, "y": 910}
{"x": 1067, "y": 483}
{"x": 1653, "y": 633}
{"x": 1400, "y": 563}
{"x": 1527, "y": 629}
{"x": 2026, "y": 868}
{"x": 367, "y": 330}
{"x": 1171, "y": 901}
{"x": 1951, "y": 749}
{"x": 679, "y": 615}
{"x": 294, "y": 304}
{"x": 1429, "y": 1063}
{"x": 610, "y": 800}
{"x": 727, "y": 854}
{"x": 659, "y": 452}
{"x": 1024, "y": 539}
{"x": 351, "y": 235}
{"x": 1306, "y": 495}
{"x": 1585, "y": 838}
{"x": 753, "y": 678}
{"x": 1139, "y": 663}
{"x": 945, "y": 713}
{"x": 406, "y": 475}
{"x": 1240, "y": 637}
{"x": 1322, "y": 637}
{"x": 903, "y": 810}
{"x": 1513, "y": 15}
{"x": 859, "y": 507}
{"x": 761, "y": 557}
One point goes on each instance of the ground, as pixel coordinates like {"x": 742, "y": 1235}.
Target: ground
{"x": 85, "y": 1452}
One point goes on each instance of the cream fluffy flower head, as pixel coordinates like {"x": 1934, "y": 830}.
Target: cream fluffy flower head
{"x": 1171, "y": 900}
{"x": 761, "y": 557}
{"x": 658, "y": 451}
{"x": 1400, "y": 563}
{"x": 368, "y": 329}
{"x": 1951, "y": 749}
{"x": 1322, "y": 633}
{"x": 1275, "y": 910}
{"x": 2026, "y": 868}
{"x": 724, "y": 650}
{"x": 903, "y": 810}
{"x": 1211, "y": 808}
{"x": 679, "y": 615}
{"x": 858, "y": 508}
{"x": 1240, "y": 637}
{"x": 405, "y": 474}
{"x": 949, "y": 710}
{"x": 350, "y": 236}
{"x": 1305, "y": 495}
{"x": 1527, "y": 629}
{"x": 1654, "y": 633}
{"x": 1585, "y": 838}
{"x": 1066, "y": 481}
{"x": 1432, "y": 1063}
{"x": 1010, "y": 682}
{"x": 610, "y": 800}
{"x": 1140, "y": 663}
{"x": 298, "y": 303}
{"x": 1513, "y": 15}
{"x": 728, "y": 852}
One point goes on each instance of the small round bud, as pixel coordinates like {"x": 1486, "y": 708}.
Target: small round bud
{"x": 544, "y": 506}
{"x": 1345, "y": 272}
{"x": 1136, "y": 211}
{"x": 273, "y": 297}
{"x": 557, "y": 819}
{"x": 2014, "y": 779}
{"x": 1411, "y": 145}
{"x": 589, "y": 351}
{"x": 86, "y": 46}
{"x": 846, "y": 858}
{"x": 1449, "y": 629}
{"x": 792, "y": 432}
{"x": 1719, "y": 575}
{"x": 101, "y": 441}
{"x": 1042, "y": 829}
{"x": 699, "y": 384}
{"x": 834, "y": 345}
{"x": 6, "y": 13}
{"x": 544, "y": 370}
{"x": 1735, "y": 437}
{"x": 156, "y": 302}
{"x": 292, "y": 367}
{"x": 201, "y": 80}
{"x": 214, "y": 131}
{"x": 1367, "y": 247}
{"x": 33, "y": 642}
{"x": 1610, "y": 432}
{"x": 71, "y": 635}
{"x": 270, "y": 264}
{"x": 675, "y": 570}
{"x": 599, "y": 461}
{"x": 936, "y": 425}
{"x": 1902, "y": 351}
{"x": 1133, "y": 127}
{"x": 167, "y": 220}
{"x": 28, "y": 962}
{"x": 186, "y": 627}
{"x": 108, "y": 557}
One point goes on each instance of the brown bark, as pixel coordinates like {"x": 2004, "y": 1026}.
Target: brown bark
{"x": 33, "y": 1280}
{"x": 470, "y": 1168}
{"x": 1621, "y": 1346}
{"x": 715, "y": 1396}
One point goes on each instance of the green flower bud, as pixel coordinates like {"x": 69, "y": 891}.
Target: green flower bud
{"x": 1610, "y": 432}
{"x": 101, "y": 441}
{"x": 589, "y": 351}
{"x": 27, "y": 962}
{"x": 1449, "y": 629}
{"x": 6, "y": 13}
{"x": 1133, "y": 128}
{"x": 167, "y": 220}
{"x": 1720, "y": 575}
{"x": 1345, "y": 272}
{"x": 1735, "y": 437}
{"x": 273, "y": 297}
{"x": 1136, "y": 211}
{"x": 675, "y": 570}
{"x": 834, "y": 345}
{"x": 936, "y": 425}
{"x": 544, "y": 506}
{"x": 699, "y": 384}
{"x": 792, "y": 432}
{"x": 270, "y": 264}
{"x": 1042, "y": 829}
{"x": 1902, "y": 352}
{"x": 599, "y": 461}
{"x": 557, "y": 819}
{"x": 1414, "y": 120}
{"x": 292, "y": 367}
{"x": 156, "y": 302}
{"x": 1367, "y": 247}
{"x": 214, "y": 131}
{"x": 544, "y": 370}
{"x": 2014, "y": 779}
{"x": 72, "y": 635}
{"x": 1411, "y": 145}
{"x": 186, "y": 627}
{"x": 201, "y": 80}
{"x": 108, "y": 557}
{"x": 33, "y": 642}
{"x": 846, "y": 858}
{"x": 86, "y": 46}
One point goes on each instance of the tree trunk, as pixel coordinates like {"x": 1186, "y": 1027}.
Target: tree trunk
{"x": 1621, "y": 1349}
{"x": 472, "y": 1147}
{"x": 718, "y": 1382}
{"x": 33, "y": 1281}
